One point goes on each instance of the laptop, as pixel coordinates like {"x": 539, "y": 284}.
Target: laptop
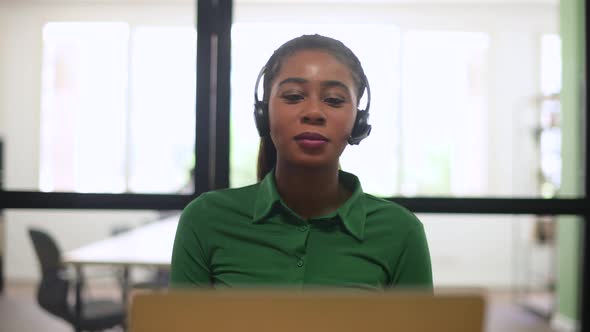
{"x": 312, "y": 311}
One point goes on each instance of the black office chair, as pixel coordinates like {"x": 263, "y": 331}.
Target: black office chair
{"x": 52, "y": 294}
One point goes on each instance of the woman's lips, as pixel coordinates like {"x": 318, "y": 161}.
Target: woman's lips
{"x": 311, "y": 136}
{"x": 311, "y": 140}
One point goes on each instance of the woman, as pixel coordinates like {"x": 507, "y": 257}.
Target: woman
{"x": 305, "y": 223}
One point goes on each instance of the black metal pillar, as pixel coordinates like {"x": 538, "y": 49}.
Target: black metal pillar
{"x": 213, "y": 94}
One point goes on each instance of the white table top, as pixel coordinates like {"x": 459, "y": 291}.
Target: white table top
{"x": 149, "y": 245}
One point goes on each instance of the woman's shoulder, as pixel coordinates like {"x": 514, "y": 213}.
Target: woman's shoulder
{"x": 385, "y": 209}
{"x": 223, "y": 200}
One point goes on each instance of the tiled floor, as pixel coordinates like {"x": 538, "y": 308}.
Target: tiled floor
{"x": 20, "y": 313}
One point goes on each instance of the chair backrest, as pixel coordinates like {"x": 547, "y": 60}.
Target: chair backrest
{"x": 47, "y": 251}
{"x": 52, "y": 293}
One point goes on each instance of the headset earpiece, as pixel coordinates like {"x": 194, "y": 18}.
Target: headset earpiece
{"x": 261, "y": 118}
{"x": 261, "y": 109}
{"x": 361, "y": 128}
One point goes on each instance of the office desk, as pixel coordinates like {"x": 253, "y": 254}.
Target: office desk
{"x": 149, "y": 246}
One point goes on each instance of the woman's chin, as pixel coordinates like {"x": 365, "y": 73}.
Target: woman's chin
{"x": 312, "y": 162}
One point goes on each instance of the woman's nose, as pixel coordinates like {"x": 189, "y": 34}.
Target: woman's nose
{"x": 313, "y": 114}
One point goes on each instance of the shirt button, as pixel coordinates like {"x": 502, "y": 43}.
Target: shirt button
{"x": 300, "y": 263}
{"x": 303, "y": 228}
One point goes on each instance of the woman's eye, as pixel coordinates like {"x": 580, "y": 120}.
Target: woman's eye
{"x": 334, "y": 101}
{"x": 292, "y": 98}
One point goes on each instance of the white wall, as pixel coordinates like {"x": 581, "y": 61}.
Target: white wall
{"x": 466, "y": 250}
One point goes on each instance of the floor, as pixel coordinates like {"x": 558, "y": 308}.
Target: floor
{"x": 20, "y": 313}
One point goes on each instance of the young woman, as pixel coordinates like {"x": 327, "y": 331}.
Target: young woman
{"x": 305, "y": 223}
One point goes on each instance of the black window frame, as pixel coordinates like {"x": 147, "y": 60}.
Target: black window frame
{"x": 212, "y": 146}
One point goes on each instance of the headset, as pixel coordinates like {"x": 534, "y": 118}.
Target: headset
{"x": 360, "y": 130}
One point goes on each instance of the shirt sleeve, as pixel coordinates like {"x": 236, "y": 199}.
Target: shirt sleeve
{"x": 414, "y": 269}
{"x": 189, "y": 267}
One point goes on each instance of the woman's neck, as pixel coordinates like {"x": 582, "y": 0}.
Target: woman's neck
{"x": 310, "y": 192}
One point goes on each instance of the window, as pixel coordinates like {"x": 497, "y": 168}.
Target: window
{"x": 382, "y": 69}
{"x": 162, "y": 110}
{"x": 118, "y": 108}
{"x": 416, "y": 146}
{"x": 444, "y": 136}
{"x": 550, "y": 106}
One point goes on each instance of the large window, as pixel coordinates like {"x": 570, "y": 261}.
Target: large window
{"x": 417, "y": 145}
{"x": 444, "y": 113}
{"x": 118, "y": 108}
{"x": 382, "y": 69}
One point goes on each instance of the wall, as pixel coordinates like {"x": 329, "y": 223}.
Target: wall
{"x": 514, "y": 32}
{"x": 572, "y": 101}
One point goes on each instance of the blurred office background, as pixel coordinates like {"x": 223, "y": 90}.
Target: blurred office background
{"x": 470, "y": 99}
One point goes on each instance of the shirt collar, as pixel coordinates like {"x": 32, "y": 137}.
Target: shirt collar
{"x": 266, "y": 197}
{"x": 352, "y": 212}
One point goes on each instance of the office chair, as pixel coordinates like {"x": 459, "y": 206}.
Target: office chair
{"x": 52, "y": 293}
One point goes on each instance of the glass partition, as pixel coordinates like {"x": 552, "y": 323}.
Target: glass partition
{"x": 117, "y": 108}
{"x": 98, "y": 99}
{"x": 460, "y": 103}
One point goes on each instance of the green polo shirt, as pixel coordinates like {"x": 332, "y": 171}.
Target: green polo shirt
{"x": 248, "y": 237}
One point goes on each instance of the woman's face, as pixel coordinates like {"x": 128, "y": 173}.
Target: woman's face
{"x": 312, "y": 108}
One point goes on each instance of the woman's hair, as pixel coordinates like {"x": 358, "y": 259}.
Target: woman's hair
{"x": 267, "y": 153}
